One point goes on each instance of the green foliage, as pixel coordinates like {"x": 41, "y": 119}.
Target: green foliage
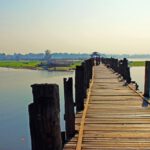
{"x": 20, "y": 64}
{"x": 136, "y": 63}
{"x": 36, "y": 65}
{"x": 71, "y": 67}
{"x": 77, "y": 63}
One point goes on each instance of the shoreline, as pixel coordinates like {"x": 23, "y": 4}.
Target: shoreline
{"x": 37, "y": 69}
{"x": 36, "y": 65}
{"x": 33, "y": 65}
{"x": 136, "y": 63}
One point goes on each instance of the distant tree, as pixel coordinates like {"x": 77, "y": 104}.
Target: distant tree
{"x": 16, "y": 56}
{"x": 2, "y": 56}
{"x": 48, "y": 56}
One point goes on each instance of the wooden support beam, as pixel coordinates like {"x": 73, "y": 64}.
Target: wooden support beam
{"x": 44, "y": 116}
{"x": 147, "y": 79}
{"x": 69, "y": 108}
{"x": 79, "y": 88}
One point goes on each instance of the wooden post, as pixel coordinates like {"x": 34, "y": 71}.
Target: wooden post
{"x": 126, "y": 71}
{"x": 116, "y": 65}
{"x": 97, "y": 61}
{"x": 87, "y": 72}
{"x": 147, "y": 79}
{"x": 124, "y": 65}
{"x": 121, "y": 67}
{"x": 63, "y": 137}
{"x": 85, "y": 83}
{"x": 90, "y": 65}
{"x": 44, "y": 116}
{"x": 79, "y": 88}
{"x": 69, "y": 108}
{"x": 128, "y": 77}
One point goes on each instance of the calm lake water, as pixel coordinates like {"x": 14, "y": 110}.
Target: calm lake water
{"x": 16, "y": 94}
{"x": 138, "y": 75}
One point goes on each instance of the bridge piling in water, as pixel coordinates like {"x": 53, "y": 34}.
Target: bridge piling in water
{"x": 83, "y": 74}
{"x": 113, "y": 117}
{"x": 44, "y": 112}
{"x": 69, "y": 108}
{"x": 119, "y": 66}
{"x": 44, "y": 117}
{"x": 147, "y": 79}
{"x": 79, "y": 88}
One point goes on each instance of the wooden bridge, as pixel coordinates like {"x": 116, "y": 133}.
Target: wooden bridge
{"x": 110, "y": 112}
{"x": 114, "y": 117}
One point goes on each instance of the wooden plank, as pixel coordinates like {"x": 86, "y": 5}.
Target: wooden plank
{"x": 115, "y": 119}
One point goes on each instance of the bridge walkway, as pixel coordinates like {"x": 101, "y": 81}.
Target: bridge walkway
{"x": 114, "y": 117}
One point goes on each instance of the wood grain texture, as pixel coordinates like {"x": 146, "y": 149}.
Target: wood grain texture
{"x": 115, "y": 118}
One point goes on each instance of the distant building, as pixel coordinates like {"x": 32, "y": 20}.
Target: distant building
{"x": 95, "y": 55}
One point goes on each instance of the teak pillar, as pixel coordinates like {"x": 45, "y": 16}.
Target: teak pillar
{"x": 147, "y": 79}
{"x": 44, "y": 115}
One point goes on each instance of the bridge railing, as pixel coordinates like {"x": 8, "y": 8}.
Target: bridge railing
{"x": 122, "y": 68}
{"x": 44, "y": 112}
{"x": 119, "y": 66}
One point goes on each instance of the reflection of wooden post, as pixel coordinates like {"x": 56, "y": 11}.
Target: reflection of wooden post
{"x": 79, "y": 88}
{"x": 69, "y": 108}
{"x": 44, "y": 117}
{"x": 147, "y": 79}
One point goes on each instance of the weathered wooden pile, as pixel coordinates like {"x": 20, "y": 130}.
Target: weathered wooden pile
{"x": 119, "y": 66}
{"x": 115, "y": 117}
{"x": 112, "y": 117}
{"x": 45, "y": 110}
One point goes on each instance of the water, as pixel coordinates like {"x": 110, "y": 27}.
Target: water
{"x": 138, "y": 75}
{"x": 15, "y": 95}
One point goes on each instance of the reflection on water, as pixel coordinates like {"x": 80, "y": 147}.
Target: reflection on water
{"x": 15, "y": 95}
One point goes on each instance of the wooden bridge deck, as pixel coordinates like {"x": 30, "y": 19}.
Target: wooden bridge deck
{"x": 115, "y": 118}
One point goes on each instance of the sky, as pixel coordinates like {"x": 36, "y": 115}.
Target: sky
{"x": 75, "y": 26}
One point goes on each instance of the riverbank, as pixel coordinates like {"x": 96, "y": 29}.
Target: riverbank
{"x": 20, "y": 64}
{"x": 36, "y": 65}
{"x": 136, "y": 63}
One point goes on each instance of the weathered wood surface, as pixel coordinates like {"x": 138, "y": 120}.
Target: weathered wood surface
{"x": 69, "y": 108}
{"x": 115, "y": 119}
{"x": 44, "y": 117}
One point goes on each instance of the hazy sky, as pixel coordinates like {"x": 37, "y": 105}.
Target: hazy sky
{"x": 107, "y": 26}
